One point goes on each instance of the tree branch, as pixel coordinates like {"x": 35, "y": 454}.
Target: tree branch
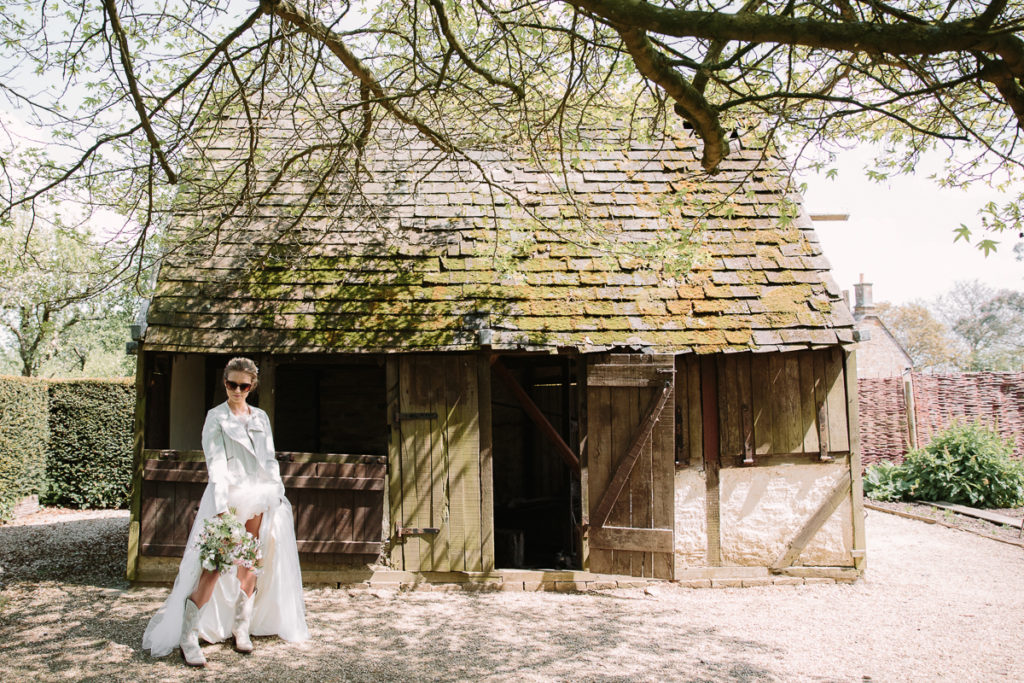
{"x": 133, "y": 88}
{"x": 714, "y": 53}
{"x": 991, "y": 13}
{"x": 442, "y": 20}
{"x": 852, "y": 36}
{"x": 689, "y": 102}
{"x": 288, "y": 11}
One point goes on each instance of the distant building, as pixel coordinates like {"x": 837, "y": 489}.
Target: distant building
{"x": 879, "y": 354}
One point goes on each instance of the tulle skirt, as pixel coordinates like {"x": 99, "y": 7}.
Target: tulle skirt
{"x": 252, "y": 497}
{"x": 278, "y": 609}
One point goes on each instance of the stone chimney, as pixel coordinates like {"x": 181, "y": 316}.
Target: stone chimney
{"x": 865, "y": 305}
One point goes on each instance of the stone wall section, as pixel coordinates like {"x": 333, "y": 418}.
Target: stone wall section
{"x": 691, "y": 524}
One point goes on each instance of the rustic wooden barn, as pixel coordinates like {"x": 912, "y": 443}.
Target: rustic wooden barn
{"x": 466, "y": 384}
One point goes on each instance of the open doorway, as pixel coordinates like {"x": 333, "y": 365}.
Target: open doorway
{"x": 537, "y": 506}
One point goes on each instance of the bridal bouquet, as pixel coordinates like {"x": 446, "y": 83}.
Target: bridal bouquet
{"x": 223, "y": 543}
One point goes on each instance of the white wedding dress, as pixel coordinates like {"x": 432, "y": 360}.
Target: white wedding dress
{"x": 244, "y": 476}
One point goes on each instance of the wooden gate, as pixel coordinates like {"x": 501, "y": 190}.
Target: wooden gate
{"x": 438, "y": 498}
{"x": 631, "y": 464}
{"x": 337, "y": 500}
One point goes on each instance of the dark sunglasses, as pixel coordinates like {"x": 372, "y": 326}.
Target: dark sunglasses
{"x": 244, "y": 386}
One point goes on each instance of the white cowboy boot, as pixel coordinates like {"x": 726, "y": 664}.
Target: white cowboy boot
{"x": 243, "y": 618}
{"x": 189, "y": 642}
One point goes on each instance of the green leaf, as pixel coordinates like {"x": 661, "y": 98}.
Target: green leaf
{"x": 987, "y": 246}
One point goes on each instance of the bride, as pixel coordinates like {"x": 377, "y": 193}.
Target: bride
{"x": 244, "y": 480}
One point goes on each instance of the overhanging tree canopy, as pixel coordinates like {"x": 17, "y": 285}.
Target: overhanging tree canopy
{"x": 135, "y": 90}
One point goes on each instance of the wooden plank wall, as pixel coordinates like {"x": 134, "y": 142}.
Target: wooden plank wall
{"x": 784, "y": 394}
{"x": 763, "y": 409}
{"x": 439, "y": 484}
{"x": 689, "y": 430}
{"x": 338, "y": 506}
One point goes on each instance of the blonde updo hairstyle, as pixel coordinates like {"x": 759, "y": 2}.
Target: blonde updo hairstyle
{"x": 245, "y": 365}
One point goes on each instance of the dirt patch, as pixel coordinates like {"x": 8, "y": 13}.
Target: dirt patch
{"x": 936, "y": 604}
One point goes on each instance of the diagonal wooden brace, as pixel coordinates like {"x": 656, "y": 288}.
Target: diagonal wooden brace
{"x": 625, "y": 466}
{"x": 536, "y": 415}
{"x": 840, "y": 492}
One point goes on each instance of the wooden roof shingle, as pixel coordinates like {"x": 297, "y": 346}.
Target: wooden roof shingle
{"x": 428, "y": 250}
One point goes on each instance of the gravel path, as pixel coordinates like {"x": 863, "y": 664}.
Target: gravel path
{"x": 936, "y": 605}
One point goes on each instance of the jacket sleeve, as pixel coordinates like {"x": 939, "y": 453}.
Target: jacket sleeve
{"x": 216, "y": 462}
{"x": 272, "y": 467}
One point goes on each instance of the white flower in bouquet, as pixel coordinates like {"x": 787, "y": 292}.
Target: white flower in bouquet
{"x": 223, "y": 543}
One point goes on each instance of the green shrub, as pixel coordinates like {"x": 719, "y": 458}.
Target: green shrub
{"x": 89, "y": 461}
{"x": 24, "y": 432}
{"x": 965, "y": 463}
{"x": 885, "y": 481}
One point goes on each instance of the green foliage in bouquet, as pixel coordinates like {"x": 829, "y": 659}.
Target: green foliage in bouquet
{"x": 224, "y": 543}
{"x": 966, "y": 463}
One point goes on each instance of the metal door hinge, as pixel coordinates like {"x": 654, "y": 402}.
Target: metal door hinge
{"x": 415, "y": 531}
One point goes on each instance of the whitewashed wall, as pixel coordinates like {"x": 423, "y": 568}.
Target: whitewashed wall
{"x": 761, "y": 509}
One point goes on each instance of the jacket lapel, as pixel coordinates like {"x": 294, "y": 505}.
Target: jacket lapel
{"x": 235, "y": 431}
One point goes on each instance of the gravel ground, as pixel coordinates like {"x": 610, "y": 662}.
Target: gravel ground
{"x": 936, "y": 604}
{"x": 1008, "y": 533}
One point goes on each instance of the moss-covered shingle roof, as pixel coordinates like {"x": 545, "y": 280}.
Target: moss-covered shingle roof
{"x": 429, "y": 250}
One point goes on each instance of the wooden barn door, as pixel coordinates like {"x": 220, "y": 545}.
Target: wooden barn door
{"x": 337, "y": 501}
{"x": 436, "y": 491}
{"x": 631, "y": 465}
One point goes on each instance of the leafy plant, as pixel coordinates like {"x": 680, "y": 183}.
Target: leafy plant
{"x": 885, "y": 482}
{"x": 966, "y": 463}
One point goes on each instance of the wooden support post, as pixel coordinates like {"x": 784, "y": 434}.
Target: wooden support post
{"x": 486, "y": 464}
{"x": 138, "y": 465}
{"x": 908, "y": 402}
{"x": 856, "y": 486}
{"x": 823, "y": 433}
{"x": 582, "y": 412}
{"x": 536, "y": 415}
{"x": 393, "y": 491}
{"x": 712, "y": 457}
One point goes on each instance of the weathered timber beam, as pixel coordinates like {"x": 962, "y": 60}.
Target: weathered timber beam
{"x": 536, "y": 415}
{"x": 711, "y": 451}
{"x": 689, "y": 102}
{"x": 138, "y": 465}
{"x": 625, "y": 466}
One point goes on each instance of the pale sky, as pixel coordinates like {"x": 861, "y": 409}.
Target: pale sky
{"x": 900, "y": 234}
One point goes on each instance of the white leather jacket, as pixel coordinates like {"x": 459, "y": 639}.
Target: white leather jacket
{"x": 236, "y": 452}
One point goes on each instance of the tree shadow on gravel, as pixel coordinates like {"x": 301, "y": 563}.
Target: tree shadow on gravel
{"x": 66, "y": 613}
{"x": 86, "y": 633}
{"x": 90, "y": 552}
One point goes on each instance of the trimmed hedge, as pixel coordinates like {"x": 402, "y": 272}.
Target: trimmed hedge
{"x": 89, "y": 459}
{"x": 24, "y": 434}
